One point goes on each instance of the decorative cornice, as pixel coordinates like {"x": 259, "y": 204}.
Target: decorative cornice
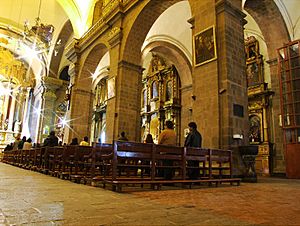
{"x": 72, "y": 51}
{"x": 225, "y": 5}
{"x": 51, "y": 83}
{"x": 130, "y": 66}
{"x": 80, "y": 91}
{"x": 110, "y": 7}
{"x": 115, "y": 36}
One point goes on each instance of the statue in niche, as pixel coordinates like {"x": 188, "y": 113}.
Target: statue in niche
{"x": 17, "y": 126}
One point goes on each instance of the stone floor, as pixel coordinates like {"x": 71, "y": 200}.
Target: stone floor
{"x": 31, "y": 198}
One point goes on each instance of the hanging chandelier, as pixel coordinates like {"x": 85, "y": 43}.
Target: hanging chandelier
{"x": 44, "y": 32}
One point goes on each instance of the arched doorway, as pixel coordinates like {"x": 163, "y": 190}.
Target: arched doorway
{"x": 98, "y": 133}
{"x": 161, "y": 97}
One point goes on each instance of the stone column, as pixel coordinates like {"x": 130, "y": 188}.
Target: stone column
{"x": 6, "y": 102}
{"x": 219, "y": 85}
{"x": 49, "y": 111}
{"x": 123, "y": 111}
{"x": 80, "y": 113}
{"x": 25, "y": 116}
{"x": 71, "y": 131}
{"x": 127, "y": 102}
{"x": 232, "y": 87}
{"x": 12, "y": 111}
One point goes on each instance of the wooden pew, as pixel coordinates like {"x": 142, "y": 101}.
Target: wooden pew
{"x": 128, "y": 161}
{"x": 169, "y": 162}
{"x": 201, "y": 157}
{"x": 131, "y": 152}
{"x": 38, "y": 158}
{"x": 101, "y": 167}
{"x": 83, "y": 160}
{"x": 54, "y": 155}
{"x": 67, "y": 162}
{"x": 220, "y": 163}
{"x": 125, "y": 163}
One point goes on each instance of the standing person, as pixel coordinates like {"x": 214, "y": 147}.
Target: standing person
{"x": 51, "y": 140}
{"x": 123, "y": 137}
{"x": 21, "y": 143}
{"x": 167, "y": 137}
{"x": 193, "y": 139}
{"x": 85, "y": 142}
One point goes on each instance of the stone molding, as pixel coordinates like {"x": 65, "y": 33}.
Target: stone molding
{"x": 72, "y": 51}
{"x": 130, "y": 66}
{"x": 172, "y": 41}
{"x": 83, "y": 92}
{"x": 225, "y": 5}
{"x": 186, "y": 88}
{"x": 52, "y": 83}
{"x": 115, "y": 36}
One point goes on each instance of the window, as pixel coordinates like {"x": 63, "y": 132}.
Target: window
{"x": 289, "y": 69}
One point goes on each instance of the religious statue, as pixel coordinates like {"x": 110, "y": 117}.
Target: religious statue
{"x": 17, "y": 126}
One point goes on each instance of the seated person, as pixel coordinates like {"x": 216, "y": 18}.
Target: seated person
{"x": 85, "y": 141}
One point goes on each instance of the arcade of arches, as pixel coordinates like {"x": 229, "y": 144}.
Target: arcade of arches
{"x": 108, "y": 66}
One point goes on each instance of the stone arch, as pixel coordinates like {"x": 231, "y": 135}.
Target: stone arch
{"x": 57, "y": 54}
{"x": 90, "y": 64}
{"x": 140, "y": 28}
{"x": 269, "y": 19}
{"x": 176, "y": 56}
{"x": 184, "y": 67}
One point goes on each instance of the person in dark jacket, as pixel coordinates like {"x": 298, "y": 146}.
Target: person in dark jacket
{"x": 51, "y": 140}
{"x": 123, "y": 137}
{"x": 193, "y": 139}
{"x": 74, "y": 141}
{"x": 21, "y": 143}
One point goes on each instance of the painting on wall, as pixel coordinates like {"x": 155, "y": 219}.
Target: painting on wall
{"x": 205, "y": 49}
{"x": 111, "y": 88}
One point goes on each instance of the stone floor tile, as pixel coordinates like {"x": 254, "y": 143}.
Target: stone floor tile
{"x": 31, "y": 198}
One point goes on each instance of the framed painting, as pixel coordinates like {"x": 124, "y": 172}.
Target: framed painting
{"x": 111, "y": 88}
{"x": 204, "y": 44}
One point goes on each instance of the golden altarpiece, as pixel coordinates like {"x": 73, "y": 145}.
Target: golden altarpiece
{"x": 258, "y": 107}
{"x": 16, "y": 84}
{"x": 99, "y": 111}
{"x": 160, "y": 99}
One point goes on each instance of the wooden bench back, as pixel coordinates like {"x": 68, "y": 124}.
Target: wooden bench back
{"x": 198, "y": 154}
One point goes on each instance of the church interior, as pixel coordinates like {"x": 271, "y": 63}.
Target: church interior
{"x": 99, "y": 67}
